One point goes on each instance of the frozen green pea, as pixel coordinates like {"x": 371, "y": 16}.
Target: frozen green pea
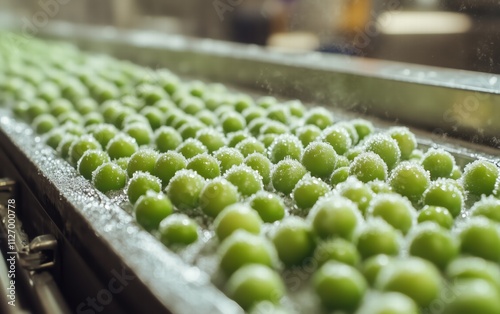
{"x": 286, "y": 174}
{"x": 167, "y": 138}
{"x": 339, "y": 286}
{"x": 386, "y": 147}
{"x": 336, "y": 249}
{"x": 488, "y": 207}
{"x": 89, "y": 162}
{"x": 141, "y": 132}
{"x": 437, "y": 214}
{"x": 334, "y": 216}
{"x": 205, "y": 165}
{"x": 406, "y": 141}
{"x": 151, "y": 208}
{"x": 80, "y": 146}
{"x": 480, "y": 237}
{"x": 191, "y": 147}
{"x": 243, "y": 248}
{"x": 109, "y": 177}
{"x": 368, "y": 167}
{"x": 308, "y": 134}
{"x": 318, "y": 116}
{"x": 228, "y": 157}
{"x": 140, "y": 183}
{"x": 167, "y": 164}
{"x": 308, "y": 190}
{"x": 439, "y": 163}
{"x": 338, "y": 138}
{"x": 410, "y": 180}
{"x": 269, "y": 206}
{"x": 319, "y": 159}
{"x": 293, "y": 232}
{"x": 414, "y": 277}
{"x": 371, "y": 266}
{"x": 479, "y": 177}
{"x": 249, "y": 146}
{"x": 255, "y": 283}
{"x": 261, "y": 164}
{"x": 445, "y": 194}
{"x": 178, "y": 229}
{"x": 142, "y": 160}
{"x": 217, "y": 195}
{"x": 285, "y": 146}
{"x": 234, "y": 217}
{"x": 211, "y": 138}
{"x": 184, "y": 189}
{"x": 247, "y": 180}
{"x": 121, "y": 146}
{"x": 377, "y": 237}
{"x": 394, "y": 209}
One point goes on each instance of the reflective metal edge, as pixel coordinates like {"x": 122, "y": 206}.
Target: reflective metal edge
{"x": 461, "y": 103}
{"x": 106, "y": 235}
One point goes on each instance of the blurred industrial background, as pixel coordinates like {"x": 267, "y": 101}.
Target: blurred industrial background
{"x": 460, "y": 34}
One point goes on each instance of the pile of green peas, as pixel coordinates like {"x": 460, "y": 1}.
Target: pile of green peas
{"x": 363, "y": 220}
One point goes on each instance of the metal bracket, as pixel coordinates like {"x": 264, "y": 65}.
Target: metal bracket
{"x": 40, "y": 253}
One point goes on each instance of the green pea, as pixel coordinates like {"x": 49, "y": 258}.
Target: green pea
{"x": 433, "y": 243}
{"x": 142, "y": 160}
{"x": 372, "y": 266}
{"x": 377, "y": 237}
{"x": 480, "y": 237}
{"x": 184, "y": 189}
{"x": 109, "y": 177}
{"x": 178, "y": 230}
{"x": 439, "y": 163}
{"x": 141, "y": 132}
{"x": 445, "y": 194}
{"x": 336, "y": 249}
{"x": 320, "y": 159}
{"x": 103, "y": 133}
{"x": 296, "y": 233}
{"x": 488, "y": 207}
{"x": 167, "y": 138}
{"x": 205, "y": 165}
{"x": 191, "y": 147}
{"x": 394, "y": 209}
{"x": 479, "y": 177}
{"x": 476, "y": 296}
{"x": 167, "y": 165}
{"x": 89, "y": 162}
{"x": 234, "y": 217}
{"x": 286, "y": 174}
{"x": 43, "y": 123}
{"x": 388, "y": 303}
{"x": 339, "y": 175}
{"x": 437, "y": 214}
{"x": 339, "y": 286}
{"x": 217, "y": 195}
{"x": 269, "y": 206}
{"x": 252, "y": 284}
{"x": 243, "y": 248}
{"x": 471, "y": 267}
{"x": 228, "y": 157}
{"x": 151, "y": 208}
{"x": 233, "y": 122}
{"x": 319, "y": 117}
{"x": 368, "y": 167}
{"x": 410, "y": 180}
{"x": 247, "y": 180}
{"x": 249, "y": 146}
{"x": 261, "y": 164}
{"x": 338, "y": 138}
{"x": 414, "y": 277}
{"x": 363, "y": 128}
{"x": 308, "y": 134}
{"x": 334, "y": 216}
{"x": 211, "y": 138}
{"x": 406, "y": 141}
{"x": 308, "y": 190}
{"x": 80, "y": 146}
{"x": 357, "y": 192}
{"x": 386, "y": 147}
{"x": 121, "y": 146}
{"x": 140, "y": 183}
